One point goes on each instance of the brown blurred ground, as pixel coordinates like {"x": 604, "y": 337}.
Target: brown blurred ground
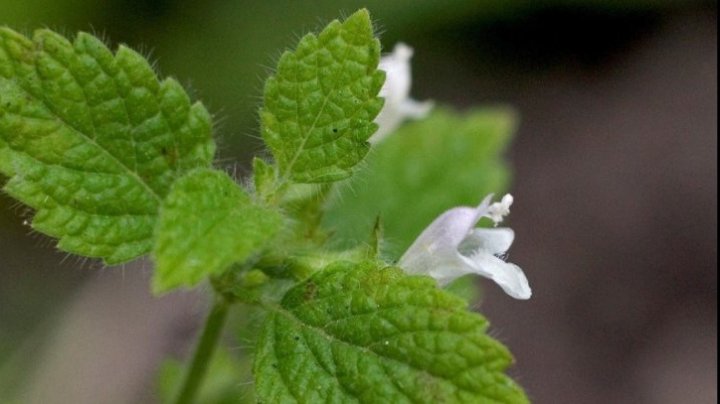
{"x": 616, "y": 216}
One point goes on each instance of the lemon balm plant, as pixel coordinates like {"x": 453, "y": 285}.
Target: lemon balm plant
{"x": 326, "y": 240}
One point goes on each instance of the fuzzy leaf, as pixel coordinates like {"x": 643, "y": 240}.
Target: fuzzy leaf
{"x": 320, "y": 104}
{"x": 207, "y": 223}
{"x": 92, "y": 140}
{"x": 429, "y": 166}
{"x": 357, "y": 333}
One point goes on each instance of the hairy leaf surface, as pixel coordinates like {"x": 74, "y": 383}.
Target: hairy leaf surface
{"x": 320, "y": 105}
{"x": 357, "y": 333}
{"x": 208, "y": 223}
{"x": 93, "y": 140}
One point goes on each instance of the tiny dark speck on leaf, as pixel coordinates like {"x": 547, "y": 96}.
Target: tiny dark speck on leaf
{"x": 334, "y": 130}
{"x": 310, "y": 291}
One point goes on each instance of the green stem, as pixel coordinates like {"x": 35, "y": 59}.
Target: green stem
{"x": 203, "y": 351}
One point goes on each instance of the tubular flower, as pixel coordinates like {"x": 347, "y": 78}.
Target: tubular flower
{"x": 396, "y": 92}
{"x": 451, "y": 247}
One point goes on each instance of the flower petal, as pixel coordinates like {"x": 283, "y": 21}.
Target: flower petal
{"x": 449, "y": 248}
{"x": 508, "y": 276}
{"x": 396, "y": 91}
{"x": 444, "y": 268}
{"x": 493, "y": 241}
{"x": 446, "y": 232}
{"x": 437, "y": 246}
{"x": 398, "y": 77}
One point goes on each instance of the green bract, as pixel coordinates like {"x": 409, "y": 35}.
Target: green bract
{"x": 360, "y": 333}
{"x": 208, "y": 223}
{"x": 93, "y": 140}
{"x": 320, "y": 104}
{"x": 446, "y": 160}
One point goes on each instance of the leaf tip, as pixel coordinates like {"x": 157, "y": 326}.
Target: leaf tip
{"x": 361, "y": 21}
{"x": 161, "y": 283}
{"x": 361, "y": 14}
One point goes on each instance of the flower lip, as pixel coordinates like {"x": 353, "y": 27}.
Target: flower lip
{"x": 451, "y": 247}
{"x": 494, "y": 241}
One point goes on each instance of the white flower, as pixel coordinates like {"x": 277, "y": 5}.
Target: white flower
{"x": 396, "y": 92}
{"x": 451, "y": 247}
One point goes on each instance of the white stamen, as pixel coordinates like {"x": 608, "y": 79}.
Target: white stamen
{"x": 498, "y": 210}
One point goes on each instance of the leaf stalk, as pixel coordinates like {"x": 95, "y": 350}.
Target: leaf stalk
{"x": 203, "y": 351}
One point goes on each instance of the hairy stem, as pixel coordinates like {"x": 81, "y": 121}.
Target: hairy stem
{"x": 203, "y": 351}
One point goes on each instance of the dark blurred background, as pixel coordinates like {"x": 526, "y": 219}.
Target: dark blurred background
{"x": 615, "y": 173}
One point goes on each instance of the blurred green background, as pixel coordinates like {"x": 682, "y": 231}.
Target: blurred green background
{"x": 615, "y": 172}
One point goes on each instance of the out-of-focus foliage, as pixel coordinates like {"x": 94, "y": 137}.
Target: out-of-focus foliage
{"x": 446, "y": 160}
{"x": 223, "y": 383}
{"x": 223, "y": 48}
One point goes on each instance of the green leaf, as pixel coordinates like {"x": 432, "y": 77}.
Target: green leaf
{"x": 429, "y": 166}
{"x": 93, "y": 140}
{"x": 357, "y": 333}
{"x": 320, "y": 105}
{"x": 465, "y": 288}
{"x": 207, "y": 223}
